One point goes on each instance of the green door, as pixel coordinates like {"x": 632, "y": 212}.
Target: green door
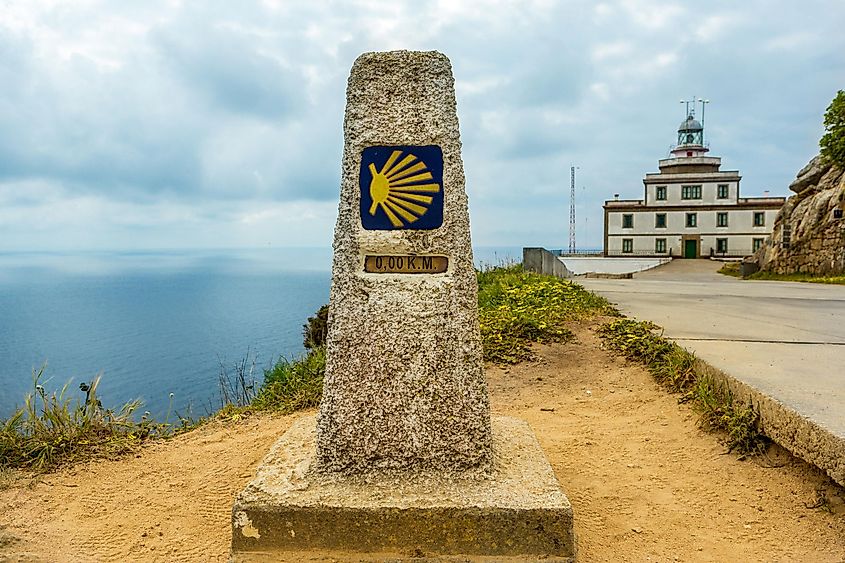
{"x": 690, "y": 248}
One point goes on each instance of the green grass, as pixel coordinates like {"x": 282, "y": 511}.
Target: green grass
{"x": 678, "y": 370}
{"x": 293, "y": 385}
{"x": 732, "y": 269}
{"x": 53, "y": 429}
{"x": 516, "y": 308}
{"x": 808, "y": 278}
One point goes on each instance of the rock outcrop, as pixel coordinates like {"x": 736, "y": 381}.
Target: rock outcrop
{"x": 809, "y": 233}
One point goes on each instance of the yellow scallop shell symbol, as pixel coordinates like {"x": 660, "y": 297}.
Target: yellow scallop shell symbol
{"x": 398, "y": 189}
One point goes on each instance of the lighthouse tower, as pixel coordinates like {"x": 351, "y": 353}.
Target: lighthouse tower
{"x": 691, "y": 208}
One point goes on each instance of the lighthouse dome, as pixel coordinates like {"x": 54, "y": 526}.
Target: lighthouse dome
{"x": 689, "y": 125}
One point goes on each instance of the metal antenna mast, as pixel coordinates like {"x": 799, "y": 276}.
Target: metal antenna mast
{"x": 702, "y": 118}
{"x": 572, "y": 211}
{"x": 688, "y": 102}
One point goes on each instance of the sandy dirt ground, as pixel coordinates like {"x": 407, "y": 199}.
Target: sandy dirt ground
{"x": 646, "y": 484}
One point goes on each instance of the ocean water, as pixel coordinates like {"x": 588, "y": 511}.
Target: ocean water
{"x": 155, "y": 323}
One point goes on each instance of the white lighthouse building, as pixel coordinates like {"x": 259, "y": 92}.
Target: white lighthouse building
{"x": 690, "y": 209}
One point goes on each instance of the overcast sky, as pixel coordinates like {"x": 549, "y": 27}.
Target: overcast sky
{"x": 165, "y": 124}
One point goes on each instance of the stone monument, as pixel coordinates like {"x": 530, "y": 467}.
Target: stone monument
{"x": 403, "y": 458}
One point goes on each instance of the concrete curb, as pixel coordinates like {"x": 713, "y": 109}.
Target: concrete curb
{"x": 798, "y": 434}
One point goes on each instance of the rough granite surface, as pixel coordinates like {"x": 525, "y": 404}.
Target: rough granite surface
{"x": 404, "y": 384}
{"x": 816, "y": 236}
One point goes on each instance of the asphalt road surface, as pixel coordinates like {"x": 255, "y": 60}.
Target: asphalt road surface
{"x": 786, "y": 339}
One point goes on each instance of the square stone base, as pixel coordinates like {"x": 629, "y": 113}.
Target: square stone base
{"x": 517, "y": 511}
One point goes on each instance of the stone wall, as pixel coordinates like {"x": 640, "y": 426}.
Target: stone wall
{"x": 808, "y": 237}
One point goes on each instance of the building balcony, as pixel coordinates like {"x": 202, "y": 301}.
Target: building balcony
{"x": 622, "y": 202}
{"x": 764, "y": 200}
{"x": 705, "y": 160}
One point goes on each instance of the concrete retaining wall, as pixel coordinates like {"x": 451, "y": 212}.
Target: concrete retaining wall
{"x": 542, "y": 261}
{"x": 601, "y": 265}
{"x": 801, "y": 436}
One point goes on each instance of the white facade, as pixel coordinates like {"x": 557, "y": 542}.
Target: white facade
{"x": 689, "y": 209}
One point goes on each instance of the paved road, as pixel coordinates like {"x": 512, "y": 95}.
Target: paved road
{"x": 786, "y": 339}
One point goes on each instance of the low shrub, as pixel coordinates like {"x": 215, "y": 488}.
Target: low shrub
{"x": 316, "y": 329}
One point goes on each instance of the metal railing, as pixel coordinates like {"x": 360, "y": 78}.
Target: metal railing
{"x": 731, "y": 252}
{"x": 583, "y": 252}
{"x": 640, "y": 253}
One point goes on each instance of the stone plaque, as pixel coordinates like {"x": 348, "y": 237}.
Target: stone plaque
{"x": 404, "y": 385}
{"x": 406, "y": 264}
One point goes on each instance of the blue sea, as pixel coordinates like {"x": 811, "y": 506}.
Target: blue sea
{"x": 156, "y": 323}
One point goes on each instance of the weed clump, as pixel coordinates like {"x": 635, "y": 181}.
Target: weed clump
{"x": 677, "y": 370}
{"x": 516, "y": 308}
{"x": 53, "y": 429}
{"x": 718, "y": 411}
{"x": 671, "y": 365}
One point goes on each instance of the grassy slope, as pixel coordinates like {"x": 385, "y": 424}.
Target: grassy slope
{"x": 516, "y": 309}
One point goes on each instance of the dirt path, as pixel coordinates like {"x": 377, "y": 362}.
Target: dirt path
{"x": 645, "y": 483}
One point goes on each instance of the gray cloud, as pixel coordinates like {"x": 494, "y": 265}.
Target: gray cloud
{"x": 220, "y": 118}
{"x": 224, "y": 66}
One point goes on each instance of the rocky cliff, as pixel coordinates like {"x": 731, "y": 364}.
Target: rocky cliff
{"x": 809, "y": 232}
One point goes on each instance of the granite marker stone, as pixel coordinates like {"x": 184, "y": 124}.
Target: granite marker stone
{"x": 404, "y": 383}
{"x": 404, "y": 457}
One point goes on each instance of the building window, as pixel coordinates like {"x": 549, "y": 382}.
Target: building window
{"x": 659, "y": 220}
{"x": 628, "y": 221}
{"x": 722, "y": 191}
{"x": 690, "y": 192}
{"x": 759, "y": 219}
{"x": 721, "y": 219}
{"x": 721, "y": 245}
{"x": 661, "y": 193}
{"x": 756, "y": 243}
{"x": 660, "y": 245}
{"x": 692, "y": 219}
{"x": 627, "y": 245}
